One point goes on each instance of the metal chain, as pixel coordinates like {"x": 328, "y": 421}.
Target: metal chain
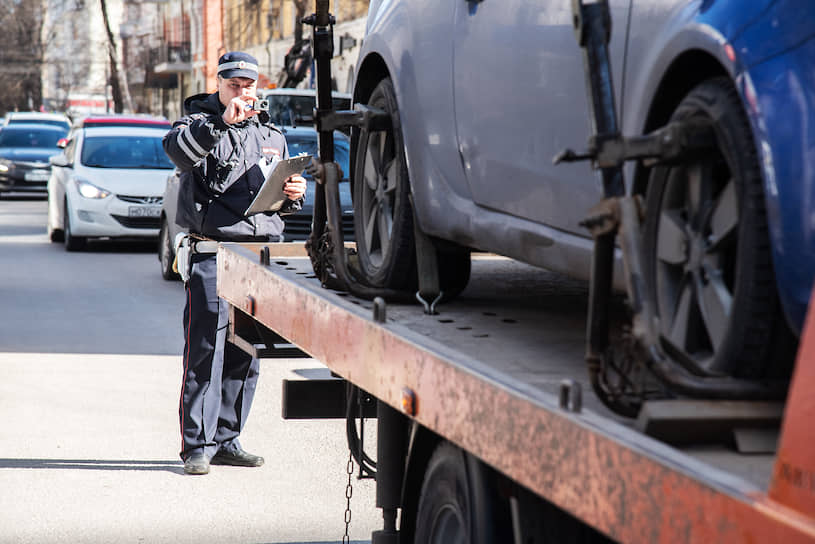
{"x": 349, "y": 491}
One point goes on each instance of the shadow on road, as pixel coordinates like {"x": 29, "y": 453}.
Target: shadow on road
{"x": 92, "y": 464}
{"x": 122, "y": 246}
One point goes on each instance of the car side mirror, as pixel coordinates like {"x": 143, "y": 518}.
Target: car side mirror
{"x": 62, "y": 143}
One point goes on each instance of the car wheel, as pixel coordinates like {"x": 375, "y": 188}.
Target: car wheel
{"x": 459, "y": 503}
{"x": 166, "y": 253}
{"x": 709, "y": 266}
{"x": 72, "y": 243}
{"x": 55, "y": 235}
{"x": 383, "y": 214}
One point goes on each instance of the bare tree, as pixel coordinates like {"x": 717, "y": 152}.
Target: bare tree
{"x": 20, "y": 55}
{"x": 118, "y": 77}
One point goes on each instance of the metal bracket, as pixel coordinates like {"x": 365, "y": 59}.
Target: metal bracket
{"x": 362, "y": 116}
{"x": 675, "y": 141}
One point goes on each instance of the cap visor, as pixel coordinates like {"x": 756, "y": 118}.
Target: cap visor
{"x": 237, "y": 72}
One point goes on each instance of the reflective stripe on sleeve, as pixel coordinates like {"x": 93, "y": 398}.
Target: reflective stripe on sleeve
{"x": 189, "y": 146}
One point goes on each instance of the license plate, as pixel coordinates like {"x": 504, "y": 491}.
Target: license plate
{"x": 37, "y": 175}
{"x": 144, "y": 211}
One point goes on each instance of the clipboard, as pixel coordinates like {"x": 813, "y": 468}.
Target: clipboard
{"x": 270, "y": 197}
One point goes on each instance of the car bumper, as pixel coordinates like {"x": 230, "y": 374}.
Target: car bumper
{"x": 113, "y": 217}
{"x": 28, "y": 181}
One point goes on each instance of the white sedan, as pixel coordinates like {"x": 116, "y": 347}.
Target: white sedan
{"x": 107, "y": 183}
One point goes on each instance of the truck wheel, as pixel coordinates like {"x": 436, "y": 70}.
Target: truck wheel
{"x": 166, "y": 253}
{"x": 72, "y": 243}
{"x": 459, "y": 502}
{"x": 707, "y": 248}
{"x": 383, "y": 216}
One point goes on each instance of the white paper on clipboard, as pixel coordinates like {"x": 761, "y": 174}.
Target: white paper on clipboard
{"x": 271, "y": 197}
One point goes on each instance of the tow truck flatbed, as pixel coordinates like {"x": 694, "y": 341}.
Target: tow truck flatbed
{"x": 488, "y": 374}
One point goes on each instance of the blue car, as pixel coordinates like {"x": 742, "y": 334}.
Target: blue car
{"x": 484, "y": 94}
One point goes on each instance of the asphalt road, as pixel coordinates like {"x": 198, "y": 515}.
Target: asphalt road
{"x": 90, "y": 370}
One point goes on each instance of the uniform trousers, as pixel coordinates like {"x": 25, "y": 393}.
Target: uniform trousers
{"x": 219, "y": 379}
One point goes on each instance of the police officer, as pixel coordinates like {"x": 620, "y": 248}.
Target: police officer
{"x": 219, "y": 147}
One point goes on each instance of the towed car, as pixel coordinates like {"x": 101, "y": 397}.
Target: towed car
{"x": 24, "y": 152}
{"x": 483, "y": 95}
{"x": 107, "y": 183}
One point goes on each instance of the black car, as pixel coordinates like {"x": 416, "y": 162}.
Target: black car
{"x": 24, "y": 152}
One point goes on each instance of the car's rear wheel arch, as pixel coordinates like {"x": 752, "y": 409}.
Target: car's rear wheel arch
{"x": 685, "y": 72}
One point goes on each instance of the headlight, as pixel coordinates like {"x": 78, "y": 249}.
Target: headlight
{"x": 89, "y": 190}
{"x": 5, "y": 166}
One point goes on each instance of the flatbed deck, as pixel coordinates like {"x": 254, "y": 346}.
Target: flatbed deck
{"x": 486, "y": 373}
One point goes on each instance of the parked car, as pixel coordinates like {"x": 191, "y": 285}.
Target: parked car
{"x": 484, "y": 95}
{"x": 298, "y": 225}
{"x": 292, "y": 107}
{"x": 57, "y": 119}
{"x": 24, "y": 152}
{"x": 107, "y": 183}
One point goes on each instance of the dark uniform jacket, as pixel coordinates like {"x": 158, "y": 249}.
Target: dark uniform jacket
{"x": 220, "y": 173}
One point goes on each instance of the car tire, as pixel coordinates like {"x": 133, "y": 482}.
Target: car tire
{"x": 72, "y": 243}
{"x": 708, "y": 259}
{"x": 56, "y": 235}
{"x": 166, "y": 253}
{"x": 459, "y": 501}
{"x": 383, "y": 213}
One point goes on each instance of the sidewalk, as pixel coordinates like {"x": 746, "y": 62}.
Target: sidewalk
{"x": 89, "y": 454}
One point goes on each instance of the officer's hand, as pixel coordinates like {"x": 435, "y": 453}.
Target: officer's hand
{"x": 295, "y": 187}
{"x": 240, "y": 109}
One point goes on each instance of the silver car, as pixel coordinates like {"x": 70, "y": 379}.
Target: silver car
{"x": 483, "y": 95}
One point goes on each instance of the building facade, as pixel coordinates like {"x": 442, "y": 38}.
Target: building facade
{"x": 194, "y": 33}
{"x": 167, "y": 50}
{"x": 76, "y": 68}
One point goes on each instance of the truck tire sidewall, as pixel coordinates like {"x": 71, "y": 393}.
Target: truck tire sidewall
{"x": 754, "y": 303}
{"x": 395, "y": 268}
{"x": 457, "y": 485}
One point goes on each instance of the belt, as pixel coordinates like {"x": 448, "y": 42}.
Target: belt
{"x": 204, "y": 246}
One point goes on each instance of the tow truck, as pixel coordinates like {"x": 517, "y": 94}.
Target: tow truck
{"x": 488, "y": 428}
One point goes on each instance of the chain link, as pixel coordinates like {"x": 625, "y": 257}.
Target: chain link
{"x": 349, "y": 491}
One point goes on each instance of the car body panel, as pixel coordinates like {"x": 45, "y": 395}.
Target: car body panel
{"x": 781, "y": 96}
{"x": 531, "y": 56}
{"x": 482, "y": 114}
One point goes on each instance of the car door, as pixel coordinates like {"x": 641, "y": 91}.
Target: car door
{"x": 520, "y": 99}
